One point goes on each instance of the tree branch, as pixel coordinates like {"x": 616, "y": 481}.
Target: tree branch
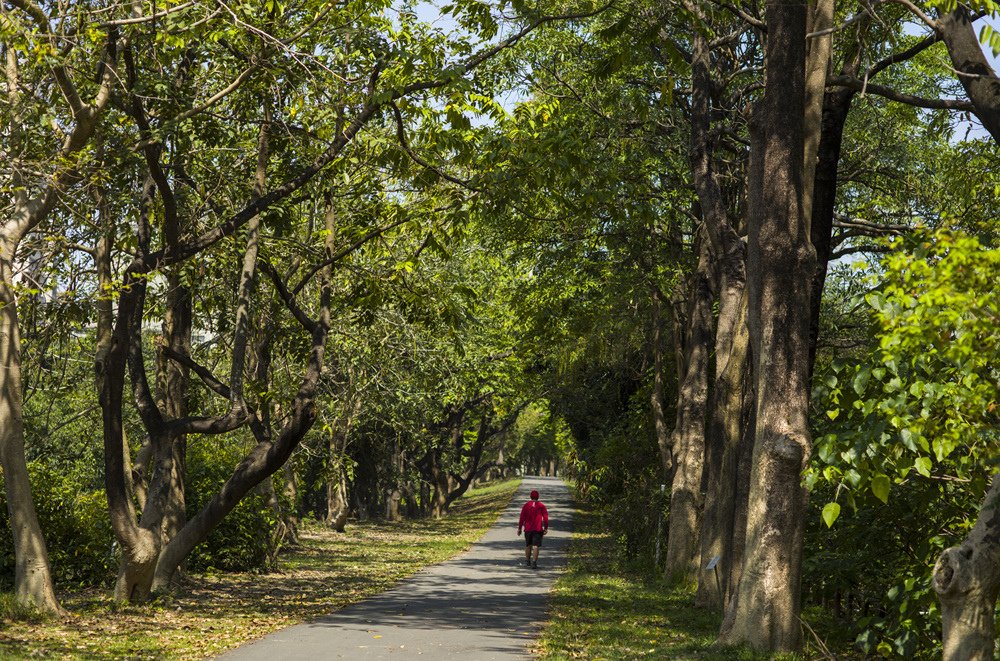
{"x": 900, "y": 97}
{"x": 203, "y": 372}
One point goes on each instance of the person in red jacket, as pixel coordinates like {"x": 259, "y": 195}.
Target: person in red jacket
{"x": 535, "y": 523}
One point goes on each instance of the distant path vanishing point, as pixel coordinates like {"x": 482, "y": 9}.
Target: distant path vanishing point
{"x": 483, "y": 604}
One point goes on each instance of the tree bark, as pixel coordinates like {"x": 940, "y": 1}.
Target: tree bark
{"x": 726, "y": 407}
{"x": 32, "y": 573}
{"x": 836, "y": 106}
{"x": 733, "y": 565}
{"x": 820, "y": 18}
{"x": 765, "y": 610}
{"x": 689, "y": 446}
{"x": 967, "y": 583}
{"x": 726, "y": 430}
{"x": 975, "y": 73}
{"x": 656, "y": 396}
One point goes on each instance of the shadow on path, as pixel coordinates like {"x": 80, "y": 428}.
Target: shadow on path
{"x": 483, "y": 604}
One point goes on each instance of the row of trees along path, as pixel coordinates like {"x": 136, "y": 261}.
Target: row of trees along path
{"x": 292, "y": 258}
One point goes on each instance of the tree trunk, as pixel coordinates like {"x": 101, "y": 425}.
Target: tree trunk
{"x": 32, "y": 574}
{"x": 392, "y": 505}
{"x": 689, "y": 448}
{"x": 765, "y": 609}
{"x": 733, "y": 565}
{"x": 441, "y": 483}
{"x": 656, "y": 396}
{"x": 835, "y": 108}
{"x": 725, "y": 425}
{"x": 173, "y": 385}
{"x": 819, "y": 19}
{"x": 290, "y": 492}
{"x": 338, "y": 506}
{"x": 967, "y": 582}
{"x": 726, "y": 430}
{"x": 975, "y": 73}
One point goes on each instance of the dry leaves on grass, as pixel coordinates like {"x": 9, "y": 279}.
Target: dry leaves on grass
{"x": 212, "y": 613}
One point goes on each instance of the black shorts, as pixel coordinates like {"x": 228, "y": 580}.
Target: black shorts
{"x": 533, "y": 537}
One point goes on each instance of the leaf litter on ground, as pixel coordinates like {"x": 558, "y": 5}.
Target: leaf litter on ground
{"x": 211, "y": 613}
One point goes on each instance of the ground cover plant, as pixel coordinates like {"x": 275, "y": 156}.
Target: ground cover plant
{"x": 216, "y": 612}
{"x": 606, "y": 607}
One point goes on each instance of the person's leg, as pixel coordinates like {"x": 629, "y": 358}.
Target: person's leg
{"x": 535, "y": 558}
{"x": 527, "y": 548}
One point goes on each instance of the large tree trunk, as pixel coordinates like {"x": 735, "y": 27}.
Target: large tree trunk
{"x": 743, "y": 466}
{"x": 967, "y": 582}
{"x": 974, "y": 70}
{"x": 731, "y": 339}
{"x": 689, "y": 447}
{"x": 765, "y": 610}
{"x": 32, "y": 574}
{"x": 726, "y": 431}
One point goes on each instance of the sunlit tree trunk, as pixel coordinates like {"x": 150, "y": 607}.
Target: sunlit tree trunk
{"x": 689, "y": 444}
{"x": 31, "y": 206}
{"x": 967, "y": 583}
{"x": 32, "y": 574}
{"x": 974, "y": 71}
{"x": 780, "y": 260}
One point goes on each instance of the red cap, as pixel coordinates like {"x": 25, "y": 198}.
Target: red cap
{"x": 534, "y": 495}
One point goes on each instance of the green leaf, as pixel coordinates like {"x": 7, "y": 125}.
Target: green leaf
{"x": 906, "y": 436}
{"x": 880, "y": 487}
{"x": 830, "y": 513}
{"x": 861, "y": 379}
{"x": 832, "y": 414}
{"x": 923, "y": 466}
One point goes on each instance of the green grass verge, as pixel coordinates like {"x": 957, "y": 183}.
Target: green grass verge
{"x": 216, "y": 612}
{"x": 604, "y": 610}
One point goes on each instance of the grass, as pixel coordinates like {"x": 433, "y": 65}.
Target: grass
{"x": 604, "y": 610}
{"x": 216, "y": 612}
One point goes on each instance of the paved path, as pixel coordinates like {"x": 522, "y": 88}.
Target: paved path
{"x": 482, "y": 605}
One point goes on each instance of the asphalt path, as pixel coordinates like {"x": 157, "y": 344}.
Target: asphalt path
{"x": 484, "y": 604}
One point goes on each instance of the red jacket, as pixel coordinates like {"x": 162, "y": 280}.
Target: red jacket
{"x": 534, "y": 517}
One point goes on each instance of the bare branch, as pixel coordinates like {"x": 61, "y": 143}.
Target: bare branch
{"x": 900, "y": 97}
{"x": 846, "y": 24}
{"x": 919, "y": 13}
{"x": 401, "y": 134}
{"x": 150, "y": 17}
{"x": 287, "y": 297}
{"x": 203, "y": 372}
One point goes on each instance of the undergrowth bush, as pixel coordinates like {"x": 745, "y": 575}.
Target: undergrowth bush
{"x": 245, "y": 540}
{"x": 75, "y": 523}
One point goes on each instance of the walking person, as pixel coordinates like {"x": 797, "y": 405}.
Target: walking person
{"x": 535, "y": 523}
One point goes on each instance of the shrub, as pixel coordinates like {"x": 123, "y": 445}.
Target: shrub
{"x": 76, "y": 526}
{"x": 245, "y": 540}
